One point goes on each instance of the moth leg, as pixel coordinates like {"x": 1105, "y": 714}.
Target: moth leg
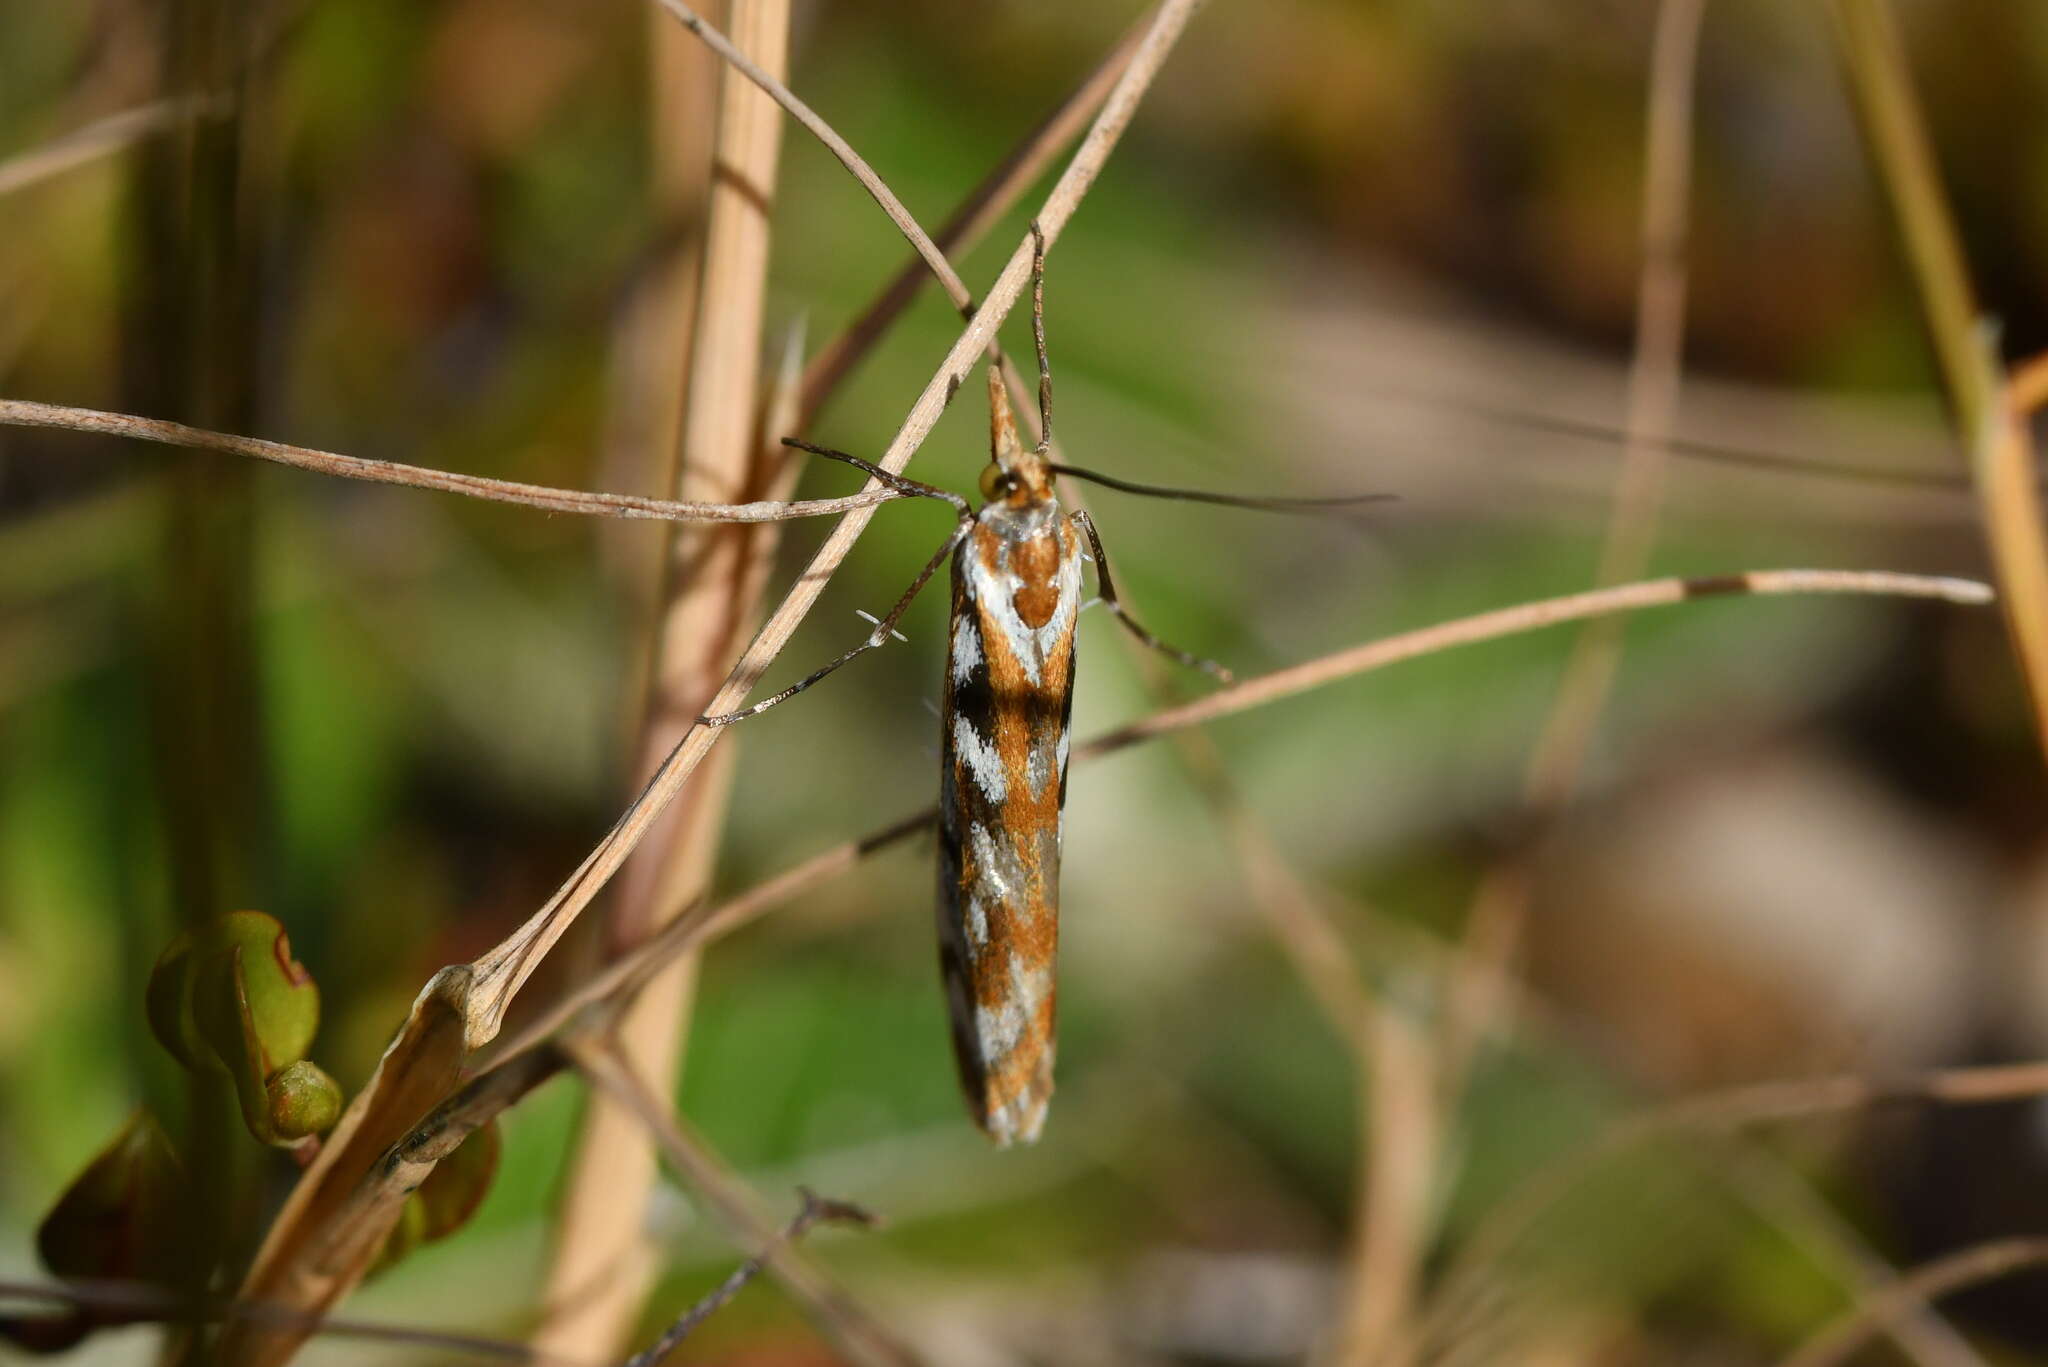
{"x": 1038, "y": 337}
{"x": 875, "y": 638}
{"x": 1106, "y": 587}
{"x": 902, "y": 484}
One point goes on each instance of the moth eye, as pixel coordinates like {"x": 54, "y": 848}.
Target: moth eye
{"x": 995, "y": 483}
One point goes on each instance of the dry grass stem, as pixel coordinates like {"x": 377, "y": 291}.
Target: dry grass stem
{"x": 1784, "y": 1197}
{"x": 2002, "y": 454}
{"x": 816, "y": 1210}
{"x": 1839, "y": 1342}
{"x": 1401, "y": 1124}
{"x": 620, "y": 980}
{"x": 1487, "y": 626}
{"x": 1653, "y": 383}
{"x": 21, "y": 413}
{"x": 964, "y": 227}
{"x": 850, "y": 1327}
{"x": 711, "y": 581}
{"x": 1499, "y": 909}
{"x": 1874, "y": 58}
{"x": 919, "y": 239}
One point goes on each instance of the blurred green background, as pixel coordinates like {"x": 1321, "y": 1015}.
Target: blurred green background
{"x": 1341, "y": 239}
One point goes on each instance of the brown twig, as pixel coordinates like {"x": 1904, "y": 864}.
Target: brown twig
{"x": 974, "y": 216}
{"x": 22, "y": 413}
{"x": 816, "y": 1210}
{"x": 1913, "y": 1291}
{"x": 852, "y": 1329}
{"x": 920, "y": 240}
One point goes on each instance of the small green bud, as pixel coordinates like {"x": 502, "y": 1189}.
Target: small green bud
{"x": 302, "y": 1100}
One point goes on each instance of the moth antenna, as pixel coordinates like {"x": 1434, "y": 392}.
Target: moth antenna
{"x": 1262, "y": 503}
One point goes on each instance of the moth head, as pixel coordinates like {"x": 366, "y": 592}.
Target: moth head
{"x": 1016, "y": 473}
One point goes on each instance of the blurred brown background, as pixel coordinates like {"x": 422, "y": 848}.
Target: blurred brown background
{"x": 1348, "y": 244}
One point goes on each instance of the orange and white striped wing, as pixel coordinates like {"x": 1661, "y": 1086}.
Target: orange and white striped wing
{"x": 1008, "y": 695}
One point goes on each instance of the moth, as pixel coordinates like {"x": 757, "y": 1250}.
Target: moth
{"x": 1017, "y": 582}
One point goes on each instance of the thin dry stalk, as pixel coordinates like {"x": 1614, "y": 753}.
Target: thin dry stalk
{"x": 771, "y": 84}
{"x": 602, "y": 1265}
{"x": 1874, "y": 58}
{"x": 621, "y": 979}
{"x": 332, "y": 1205}
{"x": 21, "y": 413}
{"x": 1875, "y": 61}
{"x": 1500, "y": 907}
{"x": 976, "y": 214}
{"x": 1787, "y": 1198}
{"x": 852, "y": 1329}
{"x": 1400, "y": 1126}
{"x": 1653, "y": 383}
{"x": 1486, "y": 626}
{"x": 102, "y": 138}
{"x": 928, "y": 252}
{"x": 1838, "y": 1343}
{"x": 816, "y": 1210}
{"x": 2002, "y": 456}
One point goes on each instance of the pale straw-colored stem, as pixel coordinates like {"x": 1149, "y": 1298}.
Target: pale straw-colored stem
{"x": 602, "y": 1264}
